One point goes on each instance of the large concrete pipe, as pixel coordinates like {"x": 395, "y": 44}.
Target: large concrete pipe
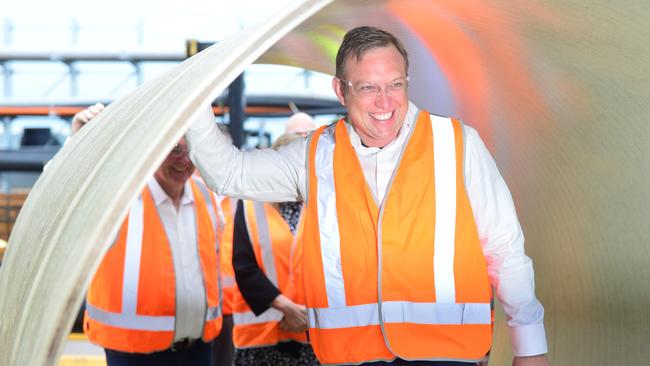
{"x": 557, "y": 88}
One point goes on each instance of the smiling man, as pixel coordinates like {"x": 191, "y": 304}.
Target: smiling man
{"x": 154, "y": 299}
{"x": 408, "y": 224}
{"x": 373, "y": 88}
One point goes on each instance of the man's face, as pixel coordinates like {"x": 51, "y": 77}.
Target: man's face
{"x": 176, "y": 169}
{"x": 378, "y": 116}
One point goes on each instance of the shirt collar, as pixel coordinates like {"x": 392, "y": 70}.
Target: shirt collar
{"x": 409, "y": 119}
{"x": 159, "y": 196}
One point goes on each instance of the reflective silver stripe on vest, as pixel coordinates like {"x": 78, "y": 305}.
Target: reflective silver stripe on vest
{"x": 128, "y": 318}
{"x": 131, "y": 321}
{"x": 212, "y": 312}
{"x": 444, "y": 151}
{"x": 211, "y": 209}
{"x": 248, "y": 317}
{"x": 330, "y": 242}
{"x": 399, "y": 312}
{"x": 228, "y": 281}
{"x": 132, "y": 256}
{"x": 264, "y": 240}
{"x": 444, "y": 310}
{"x": 233, "y": 206}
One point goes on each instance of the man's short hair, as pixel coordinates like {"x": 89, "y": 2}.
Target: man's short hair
{"x": 361, "y": 39}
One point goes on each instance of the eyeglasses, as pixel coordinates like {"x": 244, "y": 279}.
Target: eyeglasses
{"x": 368, "y": 90}
{"x": 178, "y": 151}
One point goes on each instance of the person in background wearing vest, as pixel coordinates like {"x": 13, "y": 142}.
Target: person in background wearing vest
{"x": 408, "y": 223}
{"x": 154, "y": 299}
{"x": 269, "y": 312}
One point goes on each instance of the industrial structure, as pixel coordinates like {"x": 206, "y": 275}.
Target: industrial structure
{"x": 557, "y": 90}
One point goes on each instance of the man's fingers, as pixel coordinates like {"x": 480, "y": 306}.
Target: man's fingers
{"x": 283, "y": 324}
{"x": 81, "y": 117}
{"x": 90, "y": 112}
{"x": 95, "y": 109}
{"x": 88, "y": 115}
{"x": 84, "y": 116}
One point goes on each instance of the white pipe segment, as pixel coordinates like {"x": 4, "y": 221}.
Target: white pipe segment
{"x": 558, "y": 89}
{"x": 76, "y": 206}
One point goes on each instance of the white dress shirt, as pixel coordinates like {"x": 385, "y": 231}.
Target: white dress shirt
{"x": 180, "y": 226}
{"x": 280, "y": 175}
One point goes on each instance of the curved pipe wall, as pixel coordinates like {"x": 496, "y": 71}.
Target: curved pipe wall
{"x": 557, "y": 88}
{"x": 559, "y": 91}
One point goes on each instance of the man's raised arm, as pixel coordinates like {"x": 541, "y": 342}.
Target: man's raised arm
{"x": 260, "y": 175}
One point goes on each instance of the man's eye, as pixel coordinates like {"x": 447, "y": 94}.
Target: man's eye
{"x": 366, "y": 88}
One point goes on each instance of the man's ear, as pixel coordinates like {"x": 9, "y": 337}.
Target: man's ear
{"x": 338, "y": 90}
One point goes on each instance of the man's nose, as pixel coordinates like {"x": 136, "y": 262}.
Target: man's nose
{"x": 382, "y": 99}
{"x": 185, "y": 158}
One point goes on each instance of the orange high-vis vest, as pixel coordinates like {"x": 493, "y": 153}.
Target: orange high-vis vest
{"x": 228, "y": 283}
{"x": 273, "y": 244}
{"x": 406, "y": 278}
{"x": 131, "y": 303}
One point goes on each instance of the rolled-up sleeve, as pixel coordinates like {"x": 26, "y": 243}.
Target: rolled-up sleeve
{"x": 261, "y": 175}
{"x": 502, "y": 240}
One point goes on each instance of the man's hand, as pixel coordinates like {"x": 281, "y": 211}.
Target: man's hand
{"x": 295, "y": 316}
{"x": 530, "y": 361}
{"x": 83, "y": 117}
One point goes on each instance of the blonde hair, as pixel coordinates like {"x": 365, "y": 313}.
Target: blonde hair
{"x": 300, "y": 123}
{"x": 285, "y": 139}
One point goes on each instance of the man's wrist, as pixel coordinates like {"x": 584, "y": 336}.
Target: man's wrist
{"x": 539, "y": 360}
{"x": 281, "y": 303}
